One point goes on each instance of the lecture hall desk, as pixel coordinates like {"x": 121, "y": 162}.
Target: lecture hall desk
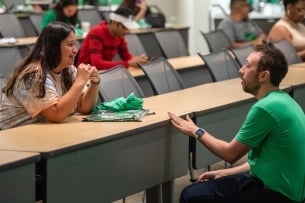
{"x": 138, "y": 155}
{"x": 103, "y": 162}
{"x": 17, "y": 176}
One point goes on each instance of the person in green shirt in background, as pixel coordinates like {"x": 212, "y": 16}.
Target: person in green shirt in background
{"x": 65, "y": 11}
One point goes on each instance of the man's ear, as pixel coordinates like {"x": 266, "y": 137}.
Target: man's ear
{"x": 264, "y": 75}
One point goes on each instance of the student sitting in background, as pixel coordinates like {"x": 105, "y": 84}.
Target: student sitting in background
{"x": 104, "y": 41}
{"x": 139, "y": 8}
{"x": 290, "y": 26}
{"x": 64, "y": 11}
{"x": 46, "y": 85}
{"x": 239, "y": 28}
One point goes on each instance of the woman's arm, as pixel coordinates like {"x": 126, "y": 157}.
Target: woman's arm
{"x": 89, "y": 98}
{"x": 68, "y": 102}
{"x": 143, "y": 8}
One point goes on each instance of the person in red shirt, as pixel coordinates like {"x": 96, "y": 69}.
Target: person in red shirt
{"x": 105, "y": 40}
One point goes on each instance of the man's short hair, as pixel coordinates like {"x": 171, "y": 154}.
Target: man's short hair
{"x": 273, "y": 60}
{"x": 235, "y": 2}
{"x": 286, "y": 2}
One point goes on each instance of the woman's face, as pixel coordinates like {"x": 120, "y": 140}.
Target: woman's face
{"x": 68, "y": 51}
{"x": 70, "y": 11}
{"x": 296, "y": 11}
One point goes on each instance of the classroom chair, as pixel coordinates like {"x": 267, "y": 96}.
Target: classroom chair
{"x": 216, "y": 40}
{"x": 118, "y": 82}
{"x": 171, "y": 43}
{"x": 2, "y": 83}
{"x": 35, "y": 19}
{"x": 90, "y": 15}
{"x": 162, "y": 76}
{"x": 9, "y": 57}
{"x": 289, "y": 52}
{"x": 241, "y": 54}
{"x": 10, "y": 26}
{"x": 221, "y": 65}
{"x": 135, "y": 45}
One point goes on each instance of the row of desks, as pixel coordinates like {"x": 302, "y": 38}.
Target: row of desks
{"x": 103, "y": 162}
{"x": 190, "y": 68}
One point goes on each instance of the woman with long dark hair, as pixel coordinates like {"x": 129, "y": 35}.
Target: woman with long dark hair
{"x": 46, "y": 86}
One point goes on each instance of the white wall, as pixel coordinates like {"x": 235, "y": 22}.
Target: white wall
{"x": 192, "y": 13}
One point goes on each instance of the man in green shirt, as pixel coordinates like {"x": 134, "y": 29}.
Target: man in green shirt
{"x": 273, "y": 135}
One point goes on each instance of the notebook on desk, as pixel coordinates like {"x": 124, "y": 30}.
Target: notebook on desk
{"x": 106, "y": 115}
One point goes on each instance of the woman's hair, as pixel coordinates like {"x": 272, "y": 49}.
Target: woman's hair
{"x": 60, "y": 16}
{"x": 46, "y": 54}
{"x": 272, "y": 60}
{"x": 131, "y": 4}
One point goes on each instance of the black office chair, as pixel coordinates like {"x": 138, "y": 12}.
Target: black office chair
{"x": 241, "y": 54}
{"x": 9, "y": 57}
{"x": 118, "y": 82}
{"x": 289, "y": 52}
{"x": 35, "y": 19}
{"x": 90, "y": 15}
{"x": 162, "y": 76}
{"x": 221, "y": 65}
{"x": 10, "y": 26}
{"x": 171, "y": 43}
{"x": 216, "y": 40}
{"x": 135, "y": 45}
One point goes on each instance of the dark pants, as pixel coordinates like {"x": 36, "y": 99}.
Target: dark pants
{"x": 235, "y": 189}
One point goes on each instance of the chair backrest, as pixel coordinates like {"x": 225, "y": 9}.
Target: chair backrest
{"x": 90, "y": 15}
{"x": 241, "y": 54}
{"x": 9, "y": 57}
{"x": 289, "y": 52}
{"x": 221, "y": 65}
{"x": 10, "y": 26}
{"x": 2, "y": 83}
{"x": 162, "y": 76}
{"x": 105, "y": 15}
{"x": 171, "y": 43}
{"x": 118, "y": 82}
{"x": 10, "y": 4}
{"x": 216, "y": 40}
{"x": 35, "y": 19}
{"x": 135, "y": 46}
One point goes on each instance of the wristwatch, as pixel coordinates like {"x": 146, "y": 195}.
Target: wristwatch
{"x": 199, "y": 133}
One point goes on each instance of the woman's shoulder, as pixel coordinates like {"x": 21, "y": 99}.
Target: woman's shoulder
{"x": 49, "y": 13}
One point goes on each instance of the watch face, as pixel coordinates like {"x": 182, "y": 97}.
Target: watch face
{"x": 200, "y": 132}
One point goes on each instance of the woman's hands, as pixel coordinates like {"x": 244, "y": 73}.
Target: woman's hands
{"x": 87, "y": 72}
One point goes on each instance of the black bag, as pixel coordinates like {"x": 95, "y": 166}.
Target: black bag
{"x": 155, "y": 17}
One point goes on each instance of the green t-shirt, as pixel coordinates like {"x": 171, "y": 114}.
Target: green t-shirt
{"x": 275, "y": 130}
{"x": 50, "y": 16}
